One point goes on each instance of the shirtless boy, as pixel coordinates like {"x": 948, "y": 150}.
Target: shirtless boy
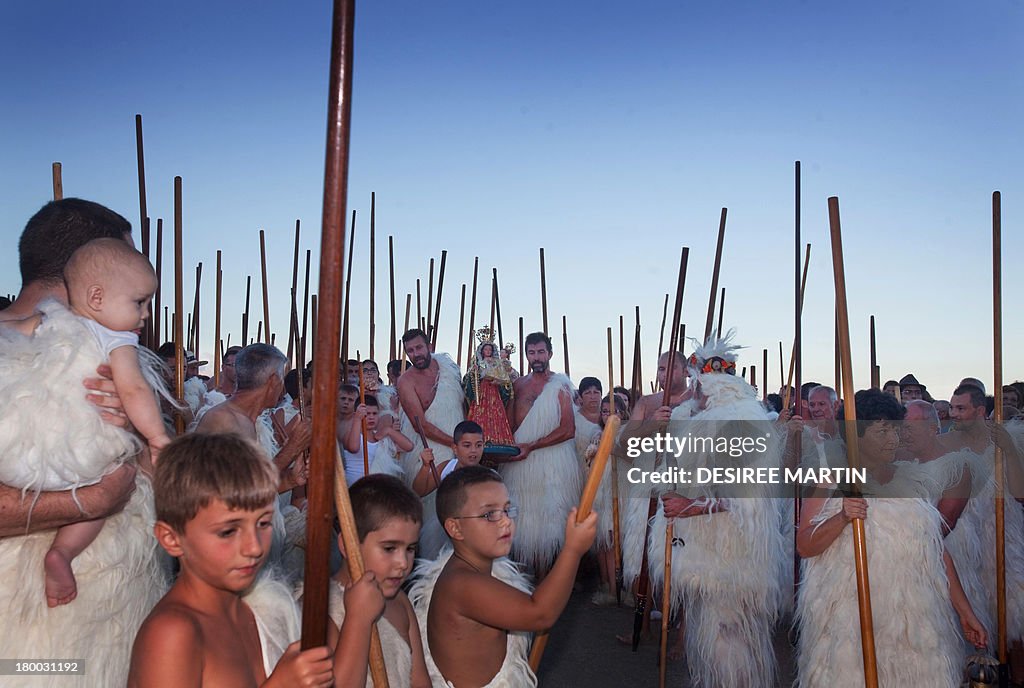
{"x": 388, "y": 517}
{"x": 468, "y": 449}
{"x": 214, "y": 498}
{"x": 471, "y": 613}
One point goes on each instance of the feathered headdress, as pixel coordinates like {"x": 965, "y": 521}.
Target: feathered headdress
{"x": 717, "y": 355}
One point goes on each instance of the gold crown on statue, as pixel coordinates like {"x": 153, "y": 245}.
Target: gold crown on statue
{"x": 485, "y": 334}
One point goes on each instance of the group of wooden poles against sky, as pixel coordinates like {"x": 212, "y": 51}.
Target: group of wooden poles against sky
{"x": 326, "y": 315}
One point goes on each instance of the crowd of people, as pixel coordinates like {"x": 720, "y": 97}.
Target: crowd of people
{"x": 175, "y": 558}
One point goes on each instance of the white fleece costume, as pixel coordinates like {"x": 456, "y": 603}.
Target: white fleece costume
{"x": 547, "y": 485}
{"x": 397, "y": 653}
{"x": 972, "y": 545}
{"x": 515, "y": 670}
{"x": 917, "y": 641}
{"x": 728, "y": 566}
{"x": 445, "y": 412}
{"x": 277, "y": 617}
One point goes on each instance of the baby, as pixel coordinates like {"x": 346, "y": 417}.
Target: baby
{"x": 109, "y": 285}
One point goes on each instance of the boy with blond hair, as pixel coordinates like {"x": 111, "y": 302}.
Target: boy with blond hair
{"x": 474, "y": 607}
{"x": 218, "y": 625}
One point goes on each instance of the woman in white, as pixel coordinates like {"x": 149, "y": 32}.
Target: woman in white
{"x": 916, "y": 595}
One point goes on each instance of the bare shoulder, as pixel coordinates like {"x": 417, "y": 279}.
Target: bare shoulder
{"x": 222, "y": 418}
{"x": 171, "y": 630}
{"x": 25, "y": 326}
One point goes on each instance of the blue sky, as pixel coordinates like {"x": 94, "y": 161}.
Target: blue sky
{"x": 609, "y": 135}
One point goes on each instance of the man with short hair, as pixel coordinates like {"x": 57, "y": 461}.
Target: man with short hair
{"x": 975, "y": 531}
{"x": 545, "y": 479}
{"x": 430, "y": 393}
{"x": 119, "y": 578}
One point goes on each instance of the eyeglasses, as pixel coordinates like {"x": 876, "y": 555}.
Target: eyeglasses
{"x": 496, "y": 515}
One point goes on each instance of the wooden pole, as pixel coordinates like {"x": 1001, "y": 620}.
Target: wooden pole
{"x": 423, "y": 438}
{"x": 430, "y": 300}
{"x": 859, "y": 538}
{"x": 324, "y": 447}
{"x": 1000, "y": 505}
{"x": 140, "y": 158}
{"x": 313, "y": 309}
{"x": 216, "y": 324}
{"x": 520, "y": 345}
{"x": 799, "y": 283}
{"x": 764, "y": 376}
{"x": 839, "y": 362}
{"x": 497, "y": 311}
{"x": 543, "y": 293}
{"x": 419, "y": 305}
{"x": 58, "y": 182}
{"x": 604, "y": 450}
{"x": 472, "y": 312}
{"x": 494, "y": 300}
{"x": 391, "y": 274}
{"x": 462, "y": 315}
{"x": 348, "y": 288}
{"x": 245, "y": 312}
{"x": 305, "y": 308}
{"x": 147, "y": 329}
{"x": 661, "y": 337}
{"x": 799, "y": 299}
{"x": 373, "y": 271}
{"x": 437, "y": 306}
{"x": 266, "y": 289}
{"x": 408, "y": 307}
{"x": 782, "y": 368}
{"x": 179, "y": 309}
{"x": 637, "y": 387}
{"x": 666, "y": 603}
{"x": 875, "y": 382}
{"x": 195, "y": 311}
{"x": 565, "y": 347}
{"x": 159, "y": 281}
{"x": 622, "y": 351}
{"x": 721, "y": 314}
{"x": 714, "y": 276}
{"x": 293, "y": 323}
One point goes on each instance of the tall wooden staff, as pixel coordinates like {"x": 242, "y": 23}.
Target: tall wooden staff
{"x": 497, "y": 310}
{"x": 565, "y": 347}
{"x": 616, "y": 523}
{"x": 146, "y": 338}
{"x": 661, "y": 337}
{"x": 543, "y": 293}
{"x": 860, "y": 549}
{"x": 373, "y": 270}
{"x": 179, "y": 309}
{"x": 391, "y": 273}
{"x": 494, "y": 299}
{"x": 216, "y": 326}
{"x": 419, "y": 307}
{"x": 430, "y": 300}
{"x": 266, "y": 290}
{"x": 714, "y": 276}
{"x": 58, "y": 182}
{"x": 799, "y": 300}
{"x": 520, "y": 345}
{"x": 472, "y": 310}
{"x": 636, "y": 386}
{"x": 782, "y": 368}
{"x": 462, "y": 315}
{"x": 875, "y": 382}
{"x": 721, "y": 314}
{"x": 796, "y": 362}
{"x": 348, "y": 288}
{"x": 293, "y": 323}
{"x": 437, "y": 306}
{"x": 195, "y": 312}
{"x": 604, "y": 450}
{"x": 622, "y": 351}
{"x": 408, "y": 306}
{"x": 313, "y": 316}
{"x": 323, "y": 456}
{"x": 997, "y": 358}
{"x": 305, "y": 307}
{"x": 764, "y": 376}
{"x": 245, "y": 312}
{"x": 143, "y": 215}
{"x": 644, "y": 582}
{"x": 159, "y": 281}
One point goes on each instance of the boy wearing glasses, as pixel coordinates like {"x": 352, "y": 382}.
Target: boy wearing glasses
{"x": 477, "y": 626}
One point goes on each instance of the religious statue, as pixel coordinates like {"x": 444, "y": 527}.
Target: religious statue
{"x": 488, "y": 386}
